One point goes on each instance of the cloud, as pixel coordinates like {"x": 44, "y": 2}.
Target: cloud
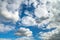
{"x": 41, "y": 13}
{"x": 6, "y": 28}
{"x": 55, "y": 23}
{"x": 28, "y": 21}
{"x": 47, "y": 35}
{"x": 24, "y": 32}
{"x": 51, "y": 35}
{"x": 9, "y": 13}
{"x": 9, "y": 10}
{"x": 55, "y": 37}
{"x": 25, "y": 38}
{"x": 41, "y": 10}
{"x": 55, "y": 20}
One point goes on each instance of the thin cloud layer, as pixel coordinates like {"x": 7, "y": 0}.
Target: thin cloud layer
{"x": 5, "y": 39}
{"x": 25, "y": 38}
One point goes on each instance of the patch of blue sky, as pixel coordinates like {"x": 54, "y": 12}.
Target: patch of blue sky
{"x": 29, "y": 8}
{"x": 7, "y": 35}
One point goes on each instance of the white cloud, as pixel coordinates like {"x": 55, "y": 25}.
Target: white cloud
{"x": 9, "y": 10}
{"x": 25, "y": 38}
{"x": 10, "y": 14}
{"x": 6, "y": 28}
{"x": 24, "y": 32}
{"x": 55, "y": 23}
{"x": 55, "y": 20}
{"x": 50, "y": 35}
{"x": 41, "y": 12}
{"x": 28, "y": 21}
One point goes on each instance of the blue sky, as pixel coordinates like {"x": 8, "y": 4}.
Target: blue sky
{"x": 27, "y": 20}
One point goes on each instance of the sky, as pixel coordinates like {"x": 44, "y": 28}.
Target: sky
{"x": 29, "y": 20}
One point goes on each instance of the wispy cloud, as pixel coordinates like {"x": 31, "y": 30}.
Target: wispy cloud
{"x": 5, "y": 39}
{"x": 25, "y": 38}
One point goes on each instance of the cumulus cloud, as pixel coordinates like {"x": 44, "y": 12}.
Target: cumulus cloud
{"x": 9, "y": 10}
{"x": 55, "y": 23}
{"x": 28, "y": 21}
{"x": 6, "y": 28}
{"x": 55, "y": 20}
{"x": 24, "y": 32}
{"x": 41, "y": 12}
{"x": 51, "y": 35}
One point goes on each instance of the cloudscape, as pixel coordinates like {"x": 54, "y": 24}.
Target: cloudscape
{"x": 29, "y": 19}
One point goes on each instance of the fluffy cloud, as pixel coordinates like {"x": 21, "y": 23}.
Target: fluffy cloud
{"x": 42, "y": 14}
{"x": 55, "y": 23}
{"x": 28, "y": 21}
{"x": 50, "y": 35}
{"x": 4, "y": 28}
{"x": 55, "y": 20}
{"x": 41, "y": 11}
{"x": 9, "y": 10}
{"x": 24, "y": 32}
